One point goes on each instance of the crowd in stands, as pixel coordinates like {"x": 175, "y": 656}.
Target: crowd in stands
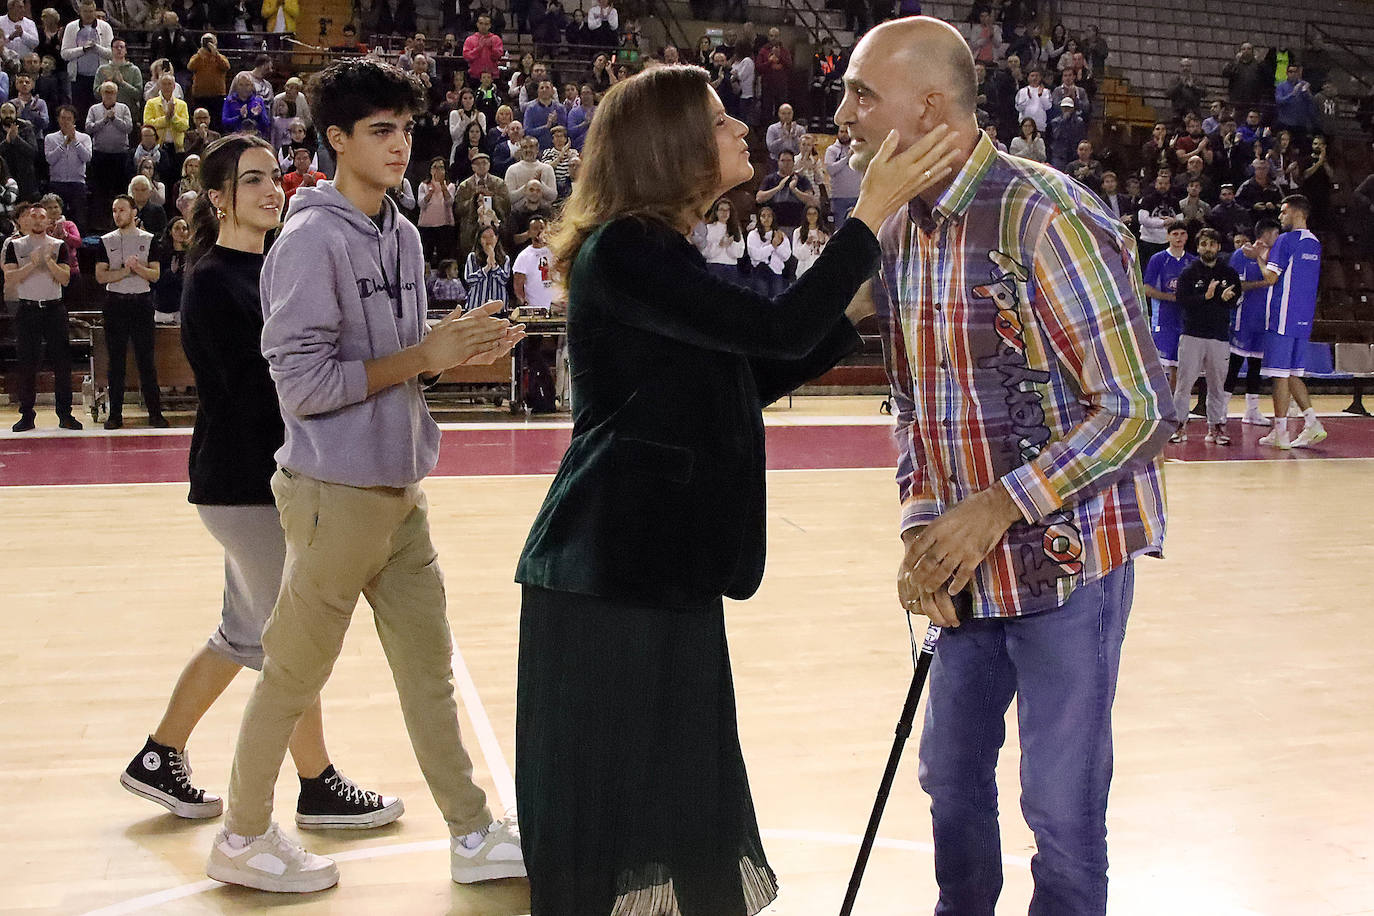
{"x": 502, "y": 142}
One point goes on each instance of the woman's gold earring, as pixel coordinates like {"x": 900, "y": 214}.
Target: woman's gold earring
{"x": 219, "y": 213}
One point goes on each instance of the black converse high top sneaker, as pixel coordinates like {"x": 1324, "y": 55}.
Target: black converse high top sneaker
{"x": 161, "y": 774}
{"x": 333, "y": 801}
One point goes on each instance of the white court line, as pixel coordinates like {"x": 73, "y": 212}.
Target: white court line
{"x": 175, "y": 483}
{"x": 486, "y": 735}
{"x": 549, "y": 475}
{"x": 173, "y": 894}
{"x": 505, "y": 790}
{"x": 769, "y": 419}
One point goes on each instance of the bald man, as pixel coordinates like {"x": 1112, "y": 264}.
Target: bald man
{"x": 1031, "y": 412}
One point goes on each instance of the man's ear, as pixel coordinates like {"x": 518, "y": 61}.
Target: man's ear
{"x": 335, "y": 135}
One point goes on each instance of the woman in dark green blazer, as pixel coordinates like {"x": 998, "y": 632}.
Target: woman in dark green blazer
{"x": 631, "y": 786}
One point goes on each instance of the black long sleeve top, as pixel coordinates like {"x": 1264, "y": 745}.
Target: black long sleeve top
{"x": 1209, "y": 319}
{"x": 660, "y": 496}
{"x": 238, "y": 421}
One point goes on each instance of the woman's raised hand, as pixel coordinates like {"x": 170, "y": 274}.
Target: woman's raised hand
{"x": 892, "y": 179}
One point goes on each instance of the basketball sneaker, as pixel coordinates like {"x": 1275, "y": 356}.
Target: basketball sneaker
{"x": 1211, "y": 436}
{"x": 271, "y": 862}
{"x": 1179, "y": 436}
{"x": 1310, "y": 435}
{"x": 1277, "y": 439}
{"x": 487, "y": 855}
{"x": 161, "y": 774}
{"x": 1253, "y": 417}
{"x": 333, "y": 801}
{"x": 1221, "y": 436}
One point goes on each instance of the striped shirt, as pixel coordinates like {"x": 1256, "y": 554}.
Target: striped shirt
{"x": 1018, "y": 350}
{"x": 485, "y": 284}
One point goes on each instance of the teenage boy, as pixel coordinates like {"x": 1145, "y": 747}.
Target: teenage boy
{"x": 128, "y": 272}
{"x": 1247, "y": 327}
{"x": 1293, "y": 270}
{"x": 359, "y": 440}
{"x": 1207, "y": 290}
{"x": 36, "y": 269}
{"x": 1161, "y": 282}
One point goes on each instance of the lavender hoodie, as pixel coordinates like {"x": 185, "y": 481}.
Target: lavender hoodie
{"x": 336, "y": 291}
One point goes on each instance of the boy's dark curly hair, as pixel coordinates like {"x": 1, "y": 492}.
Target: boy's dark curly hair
{"x": 343, "y": 94}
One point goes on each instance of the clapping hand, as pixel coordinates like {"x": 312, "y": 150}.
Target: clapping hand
{"x": 1212, "y": 289}
{"x": 476, "y": 337}
{"x": 1228, "y": 293}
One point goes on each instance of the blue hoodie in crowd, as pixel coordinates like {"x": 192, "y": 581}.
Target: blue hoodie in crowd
{"x": 338, "y": 290}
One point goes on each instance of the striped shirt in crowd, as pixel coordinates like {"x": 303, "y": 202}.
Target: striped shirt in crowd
{"x": 485, "y": 284}
{"x": 1019, "y": 352}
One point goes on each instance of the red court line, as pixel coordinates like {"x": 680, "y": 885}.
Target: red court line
{"x": 482, "y": 453}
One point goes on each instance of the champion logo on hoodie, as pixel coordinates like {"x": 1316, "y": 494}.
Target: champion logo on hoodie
{"x": 367, "y": 288}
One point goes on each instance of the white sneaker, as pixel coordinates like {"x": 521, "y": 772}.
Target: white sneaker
{"x": 1277, "y": 439}
{"x": 271, "y": 862}
{"x": 1294, "y": 411}
{"x": 1255, "y": 418}
{"x": 487, "y": 856}
{"x": 1310, "y": 435}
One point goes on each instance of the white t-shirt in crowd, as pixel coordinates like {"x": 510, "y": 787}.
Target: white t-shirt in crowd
{"x": 537, "y": 266}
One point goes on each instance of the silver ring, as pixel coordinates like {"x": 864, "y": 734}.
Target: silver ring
{"x": 926, "y": 173}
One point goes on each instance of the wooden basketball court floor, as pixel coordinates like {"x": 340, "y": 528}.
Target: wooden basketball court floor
{"x": 1243, "y": 721}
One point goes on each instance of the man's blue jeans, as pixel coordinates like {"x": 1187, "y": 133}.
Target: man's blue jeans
{"x": 1061, "y": 665}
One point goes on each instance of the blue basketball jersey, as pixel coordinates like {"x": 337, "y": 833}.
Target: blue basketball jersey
{"x": 1250, "y": 314}
{"x": 1162, "y": 273}
{"x": 1297, "y": 258}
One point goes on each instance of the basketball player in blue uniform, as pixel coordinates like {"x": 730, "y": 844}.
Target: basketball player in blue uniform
{"x": 1161, "y": 283}
{"x": 1248, "y": 323}
{"x": 1293, "y": 269}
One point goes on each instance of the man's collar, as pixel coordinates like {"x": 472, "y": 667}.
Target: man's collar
{"x": 955, "y": 199}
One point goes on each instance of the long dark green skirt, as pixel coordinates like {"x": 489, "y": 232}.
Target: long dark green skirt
{"x": 630, "y": 782}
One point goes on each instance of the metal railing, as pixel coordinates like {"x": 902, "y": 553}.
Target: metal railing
{"x": 672, "y": 26}
{"x": 813, "y": 20}
{"x": 1359, "y": 65}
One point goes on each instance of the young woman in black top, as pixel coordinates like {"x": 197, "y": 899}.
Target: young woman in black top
{"x": 630, "y": 781}
{"x": 238, "y": 429}
{"x": 167, "y": 289}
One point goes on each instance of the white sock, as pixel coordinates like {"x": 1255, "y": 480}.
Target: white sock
{"x": 1309, "y": 417}
{"x": 474, "y": 839}
{"x": 1281, "y": 426}
{"x": 1252, "y": 403}
{"x": 238, "y": 840}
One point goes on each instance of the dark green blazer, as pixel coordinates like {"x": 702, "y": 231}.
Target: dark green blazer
{"x": 659, "y": 498}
